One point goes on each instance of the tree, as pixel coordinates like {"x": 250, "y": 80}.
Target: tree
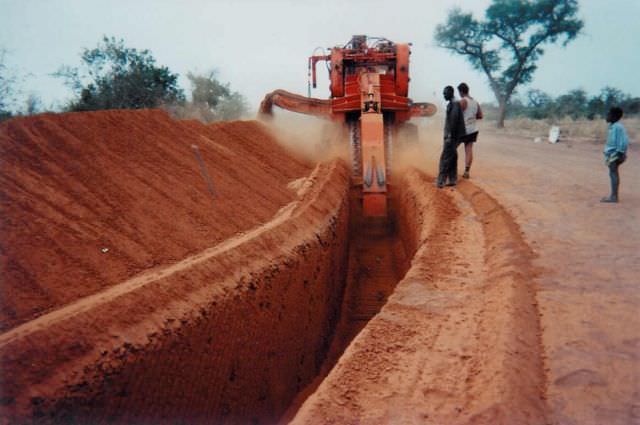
{"x": 212, "y": 100}
{"x": 514, "y": 30}
{"x": 117, "y": 77}
{"x": 632, "y": 106}
{"x": 516, "y": 107}
{"x": 595, "y": 108}
{"x": 539, "y": 104}
{"x": 608, "y": 97}
{"x": 33, "y": 104}
{"x": 7, "y": 92}
{"x": 232, "y": 107}
{"x": 206, "y": 89}
{"x": 573, "y": 104}
{"x": 612, "y": 97}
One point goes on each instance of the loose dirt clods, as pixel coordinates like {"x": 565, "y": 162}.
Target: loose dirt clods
{"x": 236, "y": 312}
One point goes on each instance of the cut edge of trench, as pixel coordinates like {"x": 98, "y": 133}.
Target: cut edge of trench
{"x": 521, "y": 380}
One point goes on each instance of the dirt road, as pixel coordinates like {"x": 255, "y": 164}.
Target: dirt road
{"x": 539, "y": 326}
{"x": 588, "y": 254}
{"x": 520, "y": 303}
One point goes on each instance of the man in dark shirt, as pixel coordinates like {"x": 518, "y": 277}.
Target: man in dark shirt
{"x": 454, "y": 130}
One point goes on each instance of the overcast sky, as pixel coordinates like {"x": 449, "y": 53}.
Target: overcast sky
{"x": 258, "y": 46}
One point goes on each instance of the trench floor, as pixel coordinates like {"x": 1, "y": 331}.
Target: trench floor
{"x": 377, "y": 262}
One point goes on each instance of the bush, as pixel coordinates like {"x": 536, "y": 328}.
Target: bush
{"x": 211, "y": 100}
{"x": 574, "y": 105}
{"x": 113, "y": 76}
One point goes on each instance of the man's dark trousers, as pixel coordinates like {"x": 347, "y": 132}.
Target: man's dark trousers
{"x": 448, "y": 162}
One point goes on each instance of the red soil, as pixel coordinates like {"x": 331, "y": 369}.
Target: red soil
{"x": 236, "y": 297}
{"x": 127, "y": 183}
{"x": 233, "y": 313}
{"x": 458, "y": 341}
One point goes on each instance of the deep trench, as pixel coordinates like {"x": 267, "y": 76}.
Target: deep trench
{"x": 377, "y": 262}
{"x": 254, "y": 356}
{"x": 255, "y": 353}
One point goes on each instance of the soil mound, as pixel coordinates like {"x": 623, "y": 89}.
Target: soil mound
{"x": 90, "y": 199}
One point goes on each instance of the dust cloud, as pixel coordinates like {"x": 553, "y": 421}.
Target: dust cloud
{"x": 316, "y": 140}
{"x": 311, "y": 138}
{"x": 422, "y": 155}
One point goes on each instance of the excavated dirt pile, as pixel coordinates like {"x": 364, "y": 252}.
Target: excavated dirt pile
{"x": 131, "y": 295}
{"x": 136, "y": 292}
{"x": 90, "y": 199}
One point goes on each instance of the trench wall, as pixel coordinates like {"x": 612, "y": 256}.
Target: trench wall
{"x": 229, "y": 338}
{"x": 420, "y": 360}
{"x": 414, "y": 221}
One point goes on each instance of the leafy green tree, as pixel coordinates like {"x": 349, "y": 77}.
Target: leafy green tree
{"x": 610, "y": 96}
{"x": 631, "y": 106}
{"x": 595, "y": 108}
{"x": 598, "y": 105}
{"x": 515, "y": 30}
{"x": 113, "y": 76}
{"x": 573, "y": 104}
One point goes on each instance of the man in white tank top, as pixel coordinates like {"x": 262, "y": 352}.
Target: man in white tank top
{"x": 472, "y": 112}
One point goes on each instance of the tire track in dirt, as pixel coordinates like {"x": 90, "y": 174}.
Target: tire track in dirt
{"x": 459, "y": 340}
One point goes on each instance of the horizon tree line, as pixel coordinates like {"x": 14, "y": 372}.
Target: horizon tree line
{"x": 114, "y": 76}
{"x": 575, "y": 104}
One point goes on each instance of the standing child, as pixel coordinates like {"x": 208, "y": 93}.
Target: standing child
{"x": 615, "y": 150}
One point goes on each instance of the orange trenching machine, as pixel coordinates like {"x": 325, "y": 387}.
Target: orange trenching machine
{"x": 369, "y": 93}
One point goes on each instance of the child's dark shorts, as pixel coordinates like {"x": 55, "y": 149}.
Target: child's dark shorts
{"x": 470, "y": 138}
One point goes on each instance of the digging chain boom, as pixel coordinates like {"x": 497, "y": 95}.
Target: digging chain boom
{"x": 369, "y": 86}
